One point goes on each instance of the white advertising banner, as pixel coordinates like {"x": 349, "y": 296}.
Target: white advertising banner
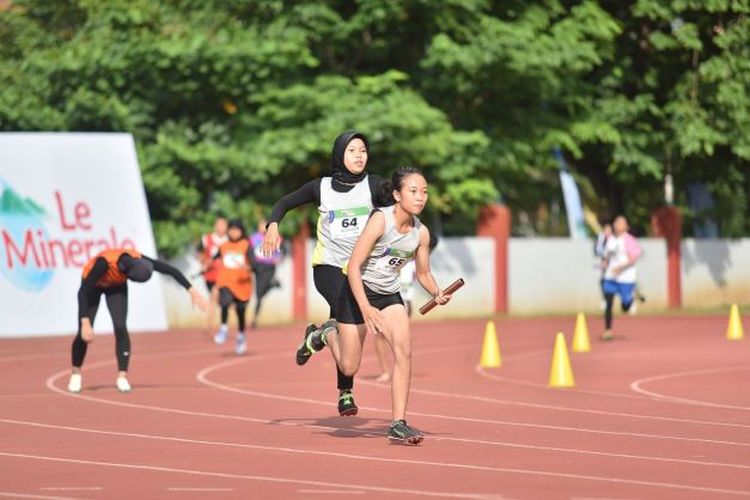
{"x": 64, "y": 197}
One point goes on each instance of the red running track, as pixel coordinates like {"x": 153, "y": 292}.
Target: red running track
{"x": 661, "y": 412}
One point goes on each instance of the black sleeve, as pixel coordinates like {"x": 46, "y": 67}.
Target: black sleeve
{"x": 172, "y": 271}
{"x": 379, "y": 199}
{"x": 89, "y": 284}
{"x": 306, "y": 194}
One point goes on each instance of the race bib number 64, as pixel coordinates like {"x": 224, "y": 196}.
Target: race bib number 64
{"x": 347, "y": 222}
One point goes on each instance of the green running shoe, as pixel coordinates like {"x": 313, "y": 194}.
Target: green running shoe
{"x": 303, "y": 352}
{"x": 347, "y": 406}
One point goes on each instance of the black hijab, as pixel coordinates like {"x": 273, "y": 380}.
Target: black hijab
{"x": 339, "y": 171}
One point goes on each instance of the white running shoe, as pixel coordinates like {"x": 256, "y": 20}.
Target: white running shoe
{"x": 221, "y": 336}
{"x": 76, "y": 383}
{"x": 123, "y": 385}
{"x": 241, "y": 347}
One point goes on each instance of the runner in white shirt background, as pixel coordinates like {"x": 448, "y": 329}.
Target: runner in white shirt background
{"x": 621, "y": 253}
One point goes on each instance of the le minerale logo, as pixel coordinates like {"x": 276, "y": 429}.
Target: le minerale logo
{"x": 34, "y": 243}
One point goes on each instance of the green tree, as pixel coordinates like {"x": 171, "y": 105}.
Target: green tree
{"x": 233, "y": 104}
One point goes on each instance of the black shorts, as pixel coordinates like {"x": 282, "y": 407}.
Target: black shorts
{"x": 329, "y": 281}
{"x": 348, "y": 309}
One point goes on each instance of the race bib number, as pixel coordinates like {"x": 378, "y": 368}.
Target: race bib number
{"x": 393, "y": 259}
{"x": 348, "y": 222}
{"x": 233, "y": 261}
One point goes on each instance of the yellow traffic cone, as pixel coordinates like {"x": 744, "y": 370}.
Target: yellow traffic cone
{"x": 490, "y": 348}
{"x": 734, "y": 329}
{"x": 560, "y": 373}
{"x": 581, "y": 341}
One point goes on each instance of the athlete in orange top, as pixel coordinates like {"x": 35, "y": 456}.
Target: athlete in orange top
{"x": 107, "y": 274}
{"x": 235, "y": 282}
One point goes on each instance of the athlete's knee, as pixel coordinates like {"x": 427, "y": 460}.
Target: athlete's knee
{"x": 121, "y": 331}
{"x": 349, "y": 367}
{"x": 402, "y": 352}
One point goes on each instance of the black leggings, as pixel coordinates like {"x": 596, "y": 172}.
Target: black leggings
{"x": 610, "y": 299}
{"x": 329, "y": 281}
{"x": 240, "y": 306}
{"x": 117, "y": 303}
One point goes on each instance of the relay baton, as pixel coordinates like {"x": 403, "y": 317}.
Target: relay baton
{"x": 449, "y": 290}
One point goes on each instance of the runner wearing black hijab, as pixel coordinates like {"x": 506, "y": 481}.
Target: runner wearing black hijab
{"x": 345, "y": 200}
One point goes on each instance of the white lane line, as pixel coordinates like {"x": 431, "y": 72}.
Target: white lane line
{"x": 572, "y": 390}
{"x": 439, "y": 349}
{"x": 61, "y": 353}
{"x": 553, "y": 407}
{"x": 202, "y": 490}
{"x": 591, "y": 452}
{"x": 202, "y": 377}
{"x": 637, "y": 387}
{"x": 330, "y": 492}
{"x": 271, "y": 479}
{"x": 53, "y": 378}
{"x": 29, "y": 357}
{"x": 245, "y": 418}
{"x": 72, "y": 488}
{"x": 276, "y": 479}
{"x": 10, "y": 494}
{"x": 370, "y": 433}
{"x": 50, "y": 384}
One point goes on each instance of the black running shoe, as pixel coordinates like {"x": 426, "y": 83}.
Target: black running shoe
{"x": 303, "y": 353}
{"x": 401, "y": 432}
{"x": 347, "y": 406}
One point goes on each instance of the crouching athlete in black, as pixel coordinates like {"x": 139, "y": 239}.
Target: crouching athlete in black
{"x": 107, "y": 274}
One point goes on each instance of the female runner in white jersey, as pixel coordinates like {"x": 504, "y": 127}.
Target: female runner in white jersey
{"x": 344, "y": 200}
{"x": 371, "y": 301}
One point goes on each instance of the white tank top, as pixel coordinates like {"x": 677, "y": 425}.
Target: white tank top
{"x": 616, "y": 252}
{"x": 381, "y": 270}
{"x": 341, "y": 219}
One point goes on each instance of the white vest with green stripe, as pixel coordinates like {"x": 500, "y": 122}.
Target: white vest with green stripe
{"x": 380, "y": 271}
{"x": 341, "y": 219}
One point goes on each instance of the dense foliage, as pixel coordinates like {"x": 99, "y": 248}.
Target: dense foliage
{"x": 233, "y": 103}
